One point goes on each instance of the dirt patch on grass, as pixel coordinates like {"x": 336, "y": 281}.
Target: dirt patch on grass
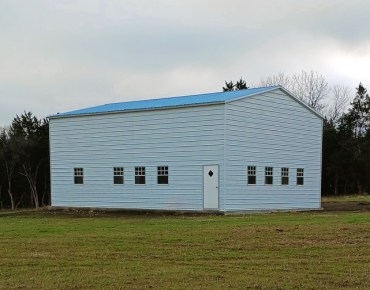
{"x": 94, "y": 212}
{"x": 338, "y": 205}
{"x": 327, "y": 205}
{"x": 346, "y": 205}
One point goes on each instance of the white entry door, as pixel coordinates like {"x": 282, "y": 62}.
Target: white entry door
{"x": 210, "y": 190}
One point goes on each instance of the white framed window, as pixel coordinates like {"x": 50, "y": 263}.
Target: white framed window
{"x": 139, "y": 175}
{"x": 162, "y": 174}
{"x": 118, "y": 175}
{"x": 269, "y": 171}
{"x": 284, "y": 176}
{"x": 300, "y": 176}
{"x": 78, "y": 175}
{"x": 252, "y": 175}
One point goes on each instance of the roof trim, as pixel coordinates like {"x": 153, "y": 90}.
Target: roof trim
{"x": 56, "y": 116}
{"x": 301, "y": 102}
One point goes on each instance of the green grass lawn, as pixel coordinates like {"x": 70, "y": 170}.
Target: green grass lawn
{"x": 307, "y": 250}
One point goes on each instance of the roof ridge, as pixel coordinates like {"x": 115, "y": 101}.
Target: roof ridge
{"x": 168, "y": 102}
{"x": 192, "y": 95}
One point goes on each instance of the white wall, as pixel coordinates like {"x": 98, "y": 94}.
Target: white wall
{"x": 184, "y": 139}
{"x": 272, "y": 129}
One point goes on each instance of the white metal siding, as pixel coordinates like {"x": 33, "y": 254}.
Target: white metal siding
{"x": 272, "y": 129}
{"x": 184, "y": 139}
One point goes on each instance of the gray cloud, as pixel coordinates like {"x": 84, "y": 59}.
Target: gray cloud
{"x": 62, "y": 55}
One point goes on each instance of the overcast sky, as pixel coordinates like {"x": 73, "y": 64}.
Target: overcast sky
{"x": 61, "y": 55}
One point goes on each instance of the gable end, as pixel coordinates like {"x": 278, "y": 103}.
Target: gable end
{"x": 287, "y": 93}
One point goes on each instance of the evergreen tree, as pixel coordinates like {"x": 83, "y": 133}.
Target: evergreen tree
{"x": 229, "y": 86}
{"x": 353, "y": 131}
{"x": 239, "y": 85}
{"x": 359, "y": 114}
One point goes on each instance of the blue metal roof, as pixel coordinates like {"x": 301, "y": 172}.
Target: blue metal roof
{"x": 210, "y": 98}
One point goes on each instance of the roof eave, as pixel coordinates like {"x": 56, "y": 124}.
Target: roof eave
{"x": 133, "y": 110}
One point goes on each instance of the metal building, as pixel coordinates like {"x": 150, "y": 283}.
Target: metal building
{"x": 248, "y": 150}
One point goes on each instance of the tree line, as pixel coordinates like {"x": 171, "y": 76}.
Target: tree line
{"x": 346, "y": 148}
{"x": 24, "y": 163}
{"x": 24, "y": 145}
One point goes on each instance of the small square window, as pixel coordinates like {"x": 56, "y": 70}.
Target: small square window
{"x": 300, "y": 176}
{"x": 252, "y": 175}
{"x": 118, "y": 175}
{"x": 269, "y": 175}
{"x": 139, "y": 175}
{"x": 78, "y": 175}
{"x": 162, "y": 174}
{"x": 284, "y": 176}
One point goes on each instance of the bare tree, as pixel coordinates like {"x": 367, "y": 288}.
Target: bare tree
{"x": 8, "y": 161}
{"x": 31, "y": 174}
{"x": 279, "y": 79}
{"x": 340, "y": 100}
{"x": 310, "y": 87}
{"x": 2, "y": 180}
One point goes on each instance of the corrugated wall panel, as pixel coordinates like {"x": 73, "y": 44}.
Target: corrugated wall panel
{"x": 275, "y": 130}
{"x": 184, "y": 139}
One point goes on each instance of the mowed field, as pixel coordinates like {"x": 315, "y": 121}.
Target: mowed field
{"x": 98, "y": 250}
